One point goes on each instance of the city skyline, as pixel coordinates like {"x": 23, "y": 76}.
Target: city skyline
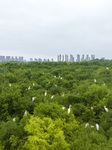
{"x": 46, "y": 28}
{"x": 60, "y": 58}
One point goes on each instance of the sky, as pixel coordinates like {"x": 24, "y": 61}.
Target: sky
{"x": 47, "y": 28}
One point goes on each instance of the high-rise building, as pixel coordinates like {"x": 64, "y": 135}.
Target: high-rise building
{"x": 87, "y": 57}
{"x": 82, "y": 59}
{"x": 71, "y": 58}
{"x": 2, "y": 58}
{"x": 92, "y": 57}
{"x": 62, "y": 58}
{"x": 8, "y": 58}
{"x": 78, "y": 58}
{"x": 66, "y": 58}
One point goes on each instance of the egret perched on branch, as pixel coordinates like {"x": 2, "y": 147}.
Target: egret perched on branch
{"x": 25, "y": 113}
{"x": 33, "y": 84}
{"x": 45, "y": 93}
{"x": 54, "y": 76}
{"x": 52, "y": 97}
{"x": 92, "y": 126}
{"x": 91, "y": 108}
{"x": 14, "y": 119}
{"x": 63, "y": 108}
{"x": 97, "y": 127}
{"x": 69, "y": 109}
{"x": 63, "y": 95}
{"x": 95, "y": 80}
{"x": 107, "y": 68}
{"x": 106, "y": 109}
{"x": 61, "y": 78}
{"x": 29, "y": 88}
{"x": 87, "y": 124}
{"x": 33, "y": 98}
{"x": 10, "y": 84}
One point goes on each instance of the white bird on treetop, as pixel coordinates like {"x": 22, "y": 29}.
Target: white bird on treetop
{"x": 29, "y": 88}
{"x": 14, "y": 119}
{"x": 91, "y": 108}
{"x": 33, "y": 98}
{"x": 94, "y": 80}
{"x": 33, "y": 84}
{"x": 45, "y": 93}
{"x": 97, "y": 127}
{"x": 87, "y": 124}
{"x": 25, "y": 113}
{"x": 69, "y": 109}
{"x": 106, "y": 109}
{"x": 10, "y": 84}
{"x": 52, "y": 97}
{"x": 92, "y": 126}
{"x": 63, "y": 108}
{"x": 62, "y": 95}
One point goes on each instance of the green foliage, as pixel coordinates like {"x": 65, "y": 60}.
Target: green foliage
{"x": 47, "y": 126}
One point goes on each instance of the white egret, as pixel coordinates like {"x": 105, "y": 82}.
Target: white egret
{"x": 91, "y": 108}
{"x": 92, "y": 126}
{"x": 10, "y": 84}
{"x": 33, "y": 98}
{"x": 87, "y": 124}
{"x": 63, "y": 108}
{"x": 54, "y": 76}
{"x": 45, "y": 93}
{"x": 33, "y": 84}
{"x": 14, "y": 119}
{"x": 63, "y": 95}
{"x": 97, "y": 127}
{"x": 52, "y": 97}
{"x": 94, "y": 80}
{"x": 69, "y": 109}
{"x": 25, "y": 113}
{"x": 29, "y": 88}
{"x": 107, "y": 68}
{"x": 106, "y": 109}
{"x": 61, "y": 78}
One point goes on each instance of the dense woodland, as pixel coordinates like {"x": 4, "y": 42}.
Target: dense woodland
{"x": 34, "y": 102}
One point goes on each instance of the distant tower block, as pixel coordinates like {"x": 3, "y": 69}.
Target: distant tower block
{"x": 82, "y": 59}
{"x": 87, "y": 58}
{"x": 71, "y": 58}
{"x": 78, "y": 58}
{"x": 92, "y": 57}
{"x": 62, "y": 58}
{"x": 59, "y": 58}
{"x": 66, "y": 58}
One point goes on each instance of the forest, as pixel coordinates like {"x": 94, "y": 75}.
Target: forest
{"x": 56, "y": 105}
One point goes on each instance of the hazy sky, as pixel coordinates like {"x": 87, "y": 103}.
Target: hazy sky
{"x": 46, "y": 28}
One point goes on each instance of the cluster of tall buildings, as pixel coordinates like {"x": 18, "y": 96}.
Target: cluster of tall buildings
{"x": 60, "y": 58}
{"x": 66, "y": 58}
{"x": 10, "y": 58}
